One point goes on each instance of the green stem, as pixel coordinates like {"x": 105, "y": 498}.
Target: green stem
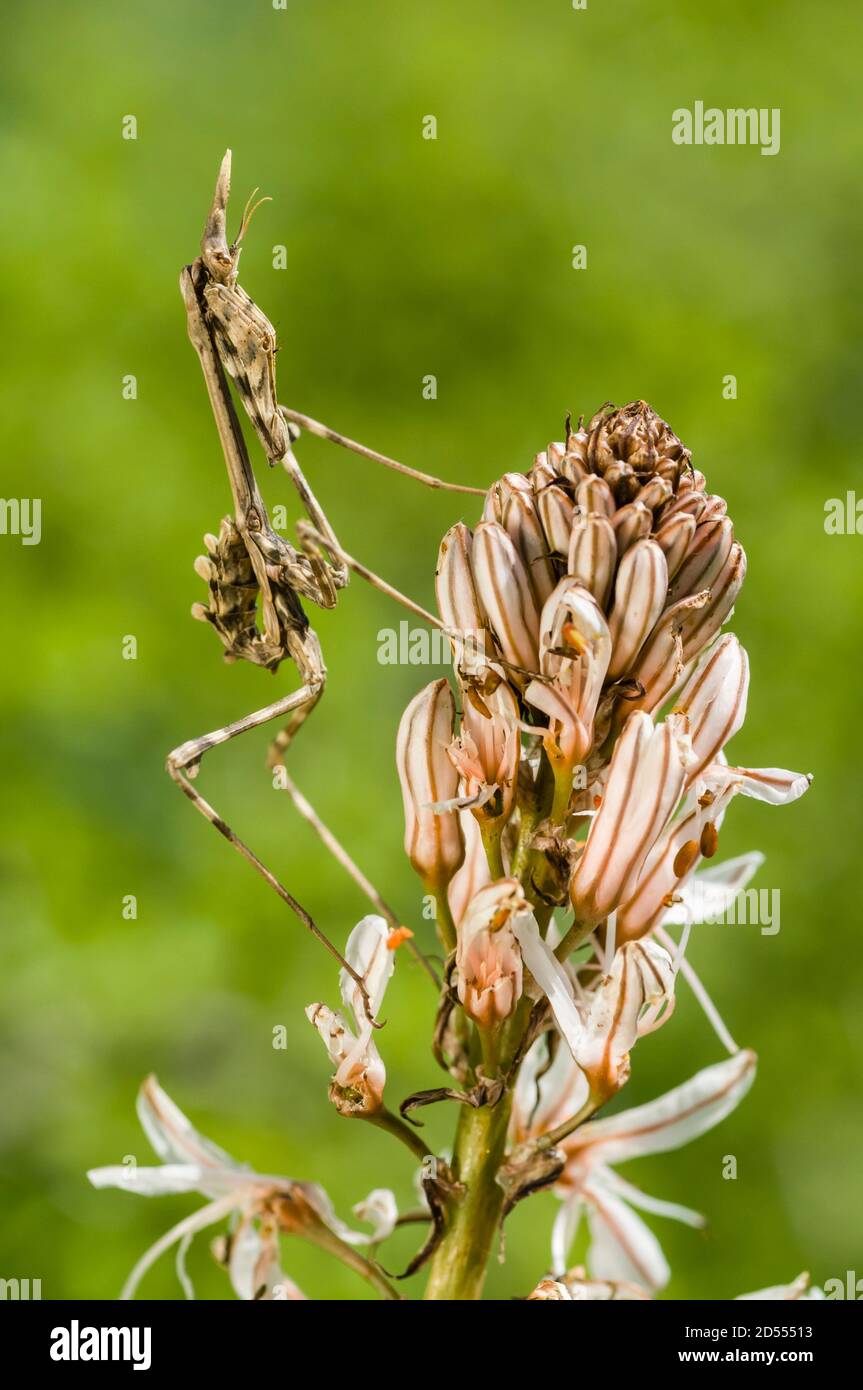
{"x": 563, "y": 1131}
{"x": 458, "y": 1266}
{"x": 527, "y": 825}
{"x": 575, "y": 937}
{"x": 326, "y": 1239}
{"x": 392, "y": 1124}
{"x": 562, "y": 795}
{"x": 446, "y": 925}
{"x": 491, "y": 844}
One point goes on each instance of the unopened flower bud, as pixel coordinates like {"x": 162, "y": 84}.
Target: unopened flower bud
{"x": 507, "y": 596}
{"x": 593, "y": 555}
{"x": 457, "y": 599}
{"x": 631, "y": 523}
{"x": 521, "y": 522}
{"x": 593, "y": 496}
{"x": 433, "y": 839}
{"x": 674, "y": 537}
{"x": 556, "y": 513}
{"x": 639, "y": 598}
{"x": 645, "y": 780}
{"x": 707, "y": 553}
{"x": 699, "y": 628}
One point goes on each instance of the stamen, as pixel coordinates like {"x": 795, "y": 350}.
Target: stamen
{"x": 709, "y": 840}
{"x": 397, "y": 937}
{"x": 710, "y": 1010}
{"x": 685, "y": 858}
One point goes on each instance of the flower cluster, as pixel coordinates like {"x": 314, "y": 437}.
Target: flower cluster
{"x": 559, "y": 799}
{"x": 572, "y": 801}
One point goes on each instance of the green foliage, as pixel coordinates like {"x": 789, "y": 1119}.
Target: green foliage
{"x": 405, "y": 257}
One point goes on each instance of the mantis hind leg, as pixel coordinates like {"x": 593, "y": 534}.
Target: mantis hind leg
{"x": 184, "y": 762}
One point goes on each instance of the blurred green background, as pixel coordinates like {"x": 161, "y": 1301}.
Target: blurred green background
{"x": 405, "y": 257}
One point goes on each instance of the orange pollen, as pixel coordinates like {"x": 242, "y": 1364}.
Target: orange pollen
{"x": 573, "y": 638}
{"x": 397, "y": 937}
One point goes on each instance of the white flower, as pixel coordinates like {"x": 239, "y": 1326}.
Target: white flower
{"x": 623, "y": 1249}
{"x": 692, "y": 833}
{"x": 358, "y": 1084}
{"x": 488, "y": 958}
{"x": 574, "y": 651}
{"x": 262, "y": 1205}
{"x": 602, "y": 1024}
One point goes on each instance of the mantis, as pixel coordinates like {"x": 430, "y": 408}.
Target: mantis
{"x": 248, "y": 562}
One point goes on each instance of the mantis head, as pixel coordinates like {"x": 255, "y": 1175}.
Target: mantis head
{"x": 220, "y": 258}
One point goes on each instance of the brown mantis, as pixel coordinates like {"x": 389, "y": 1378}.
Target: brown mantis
{"x": 249, "y": 561}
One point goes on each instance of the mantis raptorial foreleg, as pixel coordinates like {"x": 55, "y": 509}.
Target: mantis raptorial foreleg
{"x": 249, "y": 560}
{"x": 285, "y": 627}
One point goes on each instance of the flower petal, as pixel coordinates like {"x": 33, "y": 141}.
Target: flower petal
{"x": 709, "y": 893}
{"x": 623, "y": 1248}
{"x": 634, "y": 1196}
{"x": 151, "y": 1182}
{"x": 772, "y": 784}
{"x": 172, "y": 1135}
{"x": 714, "y": 701}
{"x": 674, "y": 1119}
{"x": 564, "y": 1231}
{"x": 366, "y": 951}
{"x": 551, "y": 977}
{"x": 381, "y": 1211}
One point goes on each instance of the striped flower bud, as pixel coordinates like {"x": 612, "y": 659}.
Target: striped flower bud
{"x": 556, "y": 512}
{"x": 707, "y": 553}
{"x": 639, "y": 598}
{"x": 457, "y": 598}
{"x": 521, "y": 522}
{"x": 645, "y": 780}
{"x": 500, "y": 492}
{"x": 700, "y": 628}
{"x": 433, "y": 839}
{"x": 714, "y": 701}
{"x": 661, "y": 662}
{"x": 594, "y": 497}
{"x": 593, "y": 555}
{"x": 488, "y": 958}
{"x": 507, "y": 597}
{"x": 631, "y": 523}
{"x": 674, "y": 537}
